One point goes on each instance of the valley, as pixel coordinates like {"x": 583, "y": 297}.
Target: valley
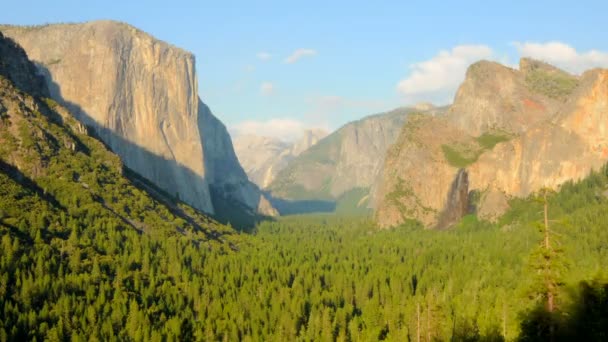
{"x": 130, "y": 212}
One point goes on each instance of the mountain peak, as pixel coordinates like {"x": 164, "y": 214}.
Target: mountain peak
{"x": 423, "y": 106}
{"x": 496, "y": 97}
{"x": 485, "y": 70}
{"x": 528, "y": 65}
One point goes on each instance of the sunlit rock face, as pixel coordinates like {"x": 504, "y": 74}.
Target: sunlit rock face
{"x": 496, "y": 97}
{"x": 554, "y": 127}
{"x": 567, "y": 147}
{"x": 140, "y": 96}
{"x": 350, "y": 158}
{"x": 417, "y": 179}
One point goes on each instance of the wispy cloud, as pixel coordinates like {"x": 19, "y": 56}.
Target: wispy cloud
{"x": 264, "y": 56}
{"x": 563, "y": 55}
{"x": 267, "y": 88}
{"x": 286, "y": 129}
{"x": 299, "y": 54}
{"x": 437, "y": 79}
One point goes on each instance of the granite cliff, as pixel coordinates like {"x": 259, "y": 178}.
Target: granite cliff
{"x": 347, "y": 163}
{"x": 263, "y": 157}
{"x": 566, "y": 147}
{"x": 140, "y": 96}
{"x": 512, "y": 132}
{"x": 55, "y": 178}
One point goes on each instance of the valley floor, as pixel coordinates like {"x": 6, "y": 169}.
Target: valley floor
{"x": 318, "y": 278}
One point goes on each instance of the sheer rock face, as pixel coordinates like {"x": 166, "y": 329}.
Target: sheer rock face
{"x": 495, "y": 97}
{"x": 224, "y": 173}
{"x": 561, "y": 139}
{"x": 140, "y": 95}
{"x": 417, "y": 179}
{"x": 565, "y": 148}
{"x": 351, "y": 157}
{"x": 263, "y": 157}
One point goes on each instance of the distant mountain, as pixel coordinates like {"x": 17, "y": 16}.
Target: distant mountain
{"x": 509, "y": 133}
{"x": 263, "y": 157}
{"x": 140, "y": 96}
{"x": 343, "y": 166}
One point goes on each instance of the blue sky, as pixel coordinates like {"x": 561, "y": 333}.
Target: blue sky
{"x": 356, "y": 58}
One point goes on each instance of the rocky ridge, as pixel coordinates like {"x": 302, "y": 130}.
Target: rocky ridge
{"x": 140, "y": 96}
{"x": 350, "y": 159}
{"x": 513, "y": 131}
{"x": 263, "y": 157}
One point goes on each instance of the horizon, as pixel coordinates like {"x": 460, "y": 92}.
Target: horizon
{"x": 289, "y": 76}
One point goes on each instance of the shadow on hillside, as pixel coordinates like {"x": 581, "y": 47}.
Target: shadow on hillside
{"x": 159, "y": 166}
{"x": 27, "y": 182}
{"x": 465, "y": 330}
{"x": 586, "y": 319}
{"x": 295, "y": 207}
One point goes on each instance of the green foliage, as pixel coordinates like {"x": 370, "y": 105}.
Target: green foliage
{"x": 551, "y": 83}
{"x": 405, "y": 200}
{"x": 586, "y": 318}
{"x": 353, "y": 202}
{"x": 488, "y": 140}
{"x": 461, "y": 156}
{"x": 52, "y": 104}
{"x": 80, "y": 241}
{"x": 86, "y": 255}
{"x": 457, "y": 158}
{"x": 300, "y": 278}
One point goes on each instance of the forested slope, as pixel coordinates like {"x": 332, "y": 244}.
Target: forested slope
{"x": 314, "y": 278}
{"x": 78, "y": 239}
{"x": 328, "y": 278}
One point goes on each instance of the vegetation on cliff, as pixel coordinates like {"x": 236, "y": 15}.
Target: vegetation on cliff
{"x": 461, "y": 156}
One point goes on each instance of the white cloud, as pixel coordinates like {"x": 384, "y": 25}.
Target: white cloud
{"x": 264, "y": 56}
{"x": 267, "y": 88}
{"x": 563, "y": 56}
{"x": 300, "y": 53}
{"x": 286, "y": 129}
{"x": 437, "y": 79}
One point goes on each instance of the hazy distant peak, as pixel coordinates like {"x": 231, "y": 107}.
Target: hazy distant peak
{"x": 423, "y": 106}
